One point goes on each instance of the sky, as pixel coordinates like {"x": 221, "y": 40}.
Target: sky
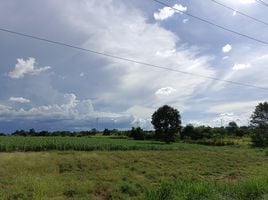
{"x": 49, "y": 87}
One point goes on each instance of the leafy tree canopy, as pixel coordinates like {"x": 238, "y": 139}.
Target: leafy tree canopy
{"x": 259, "y": 120}
{"x": 167, "y": 123}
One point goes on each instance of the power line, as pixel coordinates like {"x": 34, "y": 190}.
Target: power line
{"x": 127, "y": 59}
{"x": 213, "y": 24}
{"x": 262, "y": 3}
{"x": 239, "y": 12}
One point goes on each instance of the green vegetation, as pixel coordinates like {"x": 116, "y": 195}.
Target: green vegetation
{"x": 167, "y": 123}
{"x": 251, "y": 189}
{"x": 134, "y": 165}
{"x": 19, "y": 143}
{"x": 259, "y": 121}
{"x": 188, "y": 171}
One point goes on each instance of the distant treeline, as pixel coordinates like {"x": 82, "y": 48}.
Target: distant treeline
{"x": 187, "y": 132}
{"x": 92, "y": 132}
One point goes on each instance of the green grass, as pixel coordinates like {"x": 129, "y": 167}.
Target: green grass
{"x": 189, "y": 171}
{"x": 251, "y": 189}
{"x": 19, "y": 143}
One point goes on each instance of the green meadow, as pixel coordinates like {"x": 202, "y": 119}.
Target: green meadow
{"x": 106, "y": 168}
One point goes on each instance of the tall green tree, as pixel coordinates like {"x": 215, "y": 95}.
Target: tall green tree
{"x": 232, "y": 128}
{"x": 259, "y": 121}
{"x": 137, "y": 133}
{"x": 167, "y": 123}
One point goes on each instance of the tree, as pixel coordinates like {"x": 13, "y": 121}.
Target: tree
{"x": 106, "y": 132}
{"x": 137, "y": 133}
{"x": 167, "y": 123}
{"x": 259, "y": 121}
{"x": 187, "y": 131}
{"x": 32, "y": 132}
{"x": 232, "y": 128}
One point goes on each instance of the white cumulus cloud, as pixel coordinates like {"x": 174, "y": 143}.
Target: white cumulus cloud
{"x": 227, "y": 48}
{"x": 241, "y": 66}
{"x": 24, "y": 67}
{"x": 19, "y": 100}
{"x": 165, "y": 91}
{"x": 166, "y": 12}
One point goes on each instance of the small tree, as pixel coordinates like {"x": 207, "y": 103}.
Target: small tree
{"x": 106, "y": 132}
{"x": 259, "y": 121}
{"x": 137, "y": 133}
{"x": 187, "y": 131}
{"x": 232, "y": 128}
{"x": 167, "y": 123}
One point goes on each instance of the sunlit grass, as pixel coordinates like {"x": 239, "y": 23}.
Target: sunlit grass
{"x": 138, "y": 174}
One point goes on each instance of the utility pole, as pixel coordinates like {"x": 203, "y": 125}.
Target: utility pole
{"x": 97, "y": 124}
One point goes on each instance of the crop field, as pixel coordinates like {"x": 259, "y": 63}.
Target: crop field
{"x": 19, "y": 143}
{"x": 154, "y": 170}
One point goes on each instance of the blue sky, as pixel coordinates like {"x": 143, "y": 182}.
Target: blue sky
{"x": 49, "y": 87}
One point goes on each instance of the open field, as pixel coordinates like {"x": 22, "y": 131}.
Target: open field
{"x": 189, "y": 171}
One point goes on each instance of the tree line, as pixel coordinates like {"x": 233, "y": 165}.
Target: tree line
{"x": 167, "y": 124}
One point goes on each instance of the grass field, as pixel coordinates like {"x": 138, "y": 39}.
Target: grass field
{"x": 19, "y": 143}
{"x": 182, "y": 171}
{"x": 100, "y": 143}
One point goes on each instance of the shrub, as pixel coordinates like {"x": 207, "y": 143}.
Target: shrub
{"x": 137, "y": 133}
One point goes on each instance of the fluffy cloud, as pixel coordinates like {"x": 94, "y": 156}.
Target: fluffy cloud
{"x": 224, "y": 119}
{"x": 4, "y": 108}
{"x": 19, "y": 100}
{"x": 166, "y": 54}
{"x": 128, "y": 34}
{"x": 241, "y": 66}
{"x": 165, "y": 91}
{"x": 227, "y": 48}
{"x": 166, "y": 12}
{"x": 122, "y": 32}
{"x": 72, "y": 113}
{"x": 24, "y": 67}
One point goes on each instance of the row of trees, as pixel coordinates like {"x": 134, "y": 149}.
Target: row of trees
{"x": 167, "y": 124}
{"x": 32, "y": 132}
{"x": 200, "y": 132}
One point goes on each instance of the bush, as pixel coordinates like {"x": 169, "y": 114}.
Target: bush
{"x": 196, "y": 133}
{"x": 259, "y": 120}
{"x": 106, "y": 132}
{"x": 260, "y": 137}
{"x": 137, "y": 133}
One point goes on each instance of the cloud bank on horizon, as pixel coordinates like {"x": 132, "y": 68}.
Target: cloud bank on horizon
{"x": 49, "y": 87}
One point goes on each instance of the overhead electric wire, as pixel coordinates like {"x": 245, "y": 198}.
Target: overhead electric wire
{"x": 213, "y": 24}
{"x": 262, "y": 3}
{"x": 239, "y": 12}
{"x": 127, "y": 59}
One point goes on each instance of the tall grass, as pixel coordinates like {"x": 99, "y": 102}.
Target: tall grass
{"x": 19, "y": 143}
{"x": 251, "y": 189}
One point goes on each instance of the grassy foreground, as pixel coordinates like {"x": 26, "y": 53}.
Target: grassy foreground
{"x": 189, "y": 171}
